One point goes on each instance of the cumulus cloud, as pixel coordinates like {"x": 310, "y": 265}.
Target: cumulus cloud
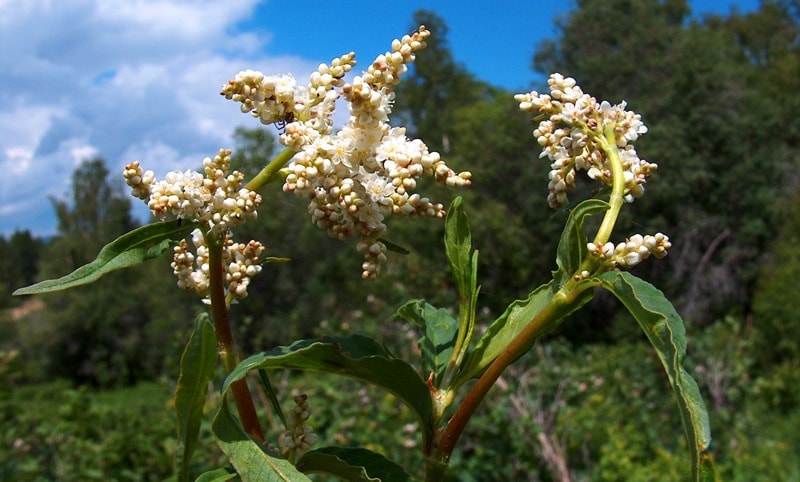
{"x": 120, "y": 79}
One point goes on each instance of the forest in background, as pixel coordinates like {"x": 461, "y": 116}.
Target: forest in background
{"x": 720, "y": 97}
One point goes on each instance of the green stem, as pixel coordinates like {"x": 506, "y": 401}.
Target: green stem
{"x": 466, "y": 311}
{"x": 609, "y": 144}
{"x": 540, "y": 324}
{"x": 271, "y": 171}
{"x": 225, "y": 342}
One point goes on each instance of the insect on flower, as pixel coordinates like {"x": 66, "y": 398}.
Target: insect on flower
{"x": 281, "y": 124}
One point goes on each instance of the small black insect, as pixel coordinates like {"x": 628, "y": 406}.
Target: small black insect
{"x": 281, "y": 124}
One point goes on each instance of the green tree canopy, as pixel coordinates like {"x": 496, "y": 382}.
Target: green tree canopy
{"x": 121, "y": 328}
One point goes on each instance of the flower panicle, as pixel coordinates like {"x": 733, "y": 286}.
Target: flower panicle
{"x": 576, "y": 132}
{"x": 241, "y": 262}
{"x": 218, "y": 201}
{"x": 299, "y": 435}
{"x": 632, "y": 251}
{"x": 367, "y": 171}
{"x": 572, "y": 129}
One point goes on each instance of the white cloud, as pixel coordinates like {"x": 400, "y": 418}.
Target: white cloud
{"x": 122, "y": 79}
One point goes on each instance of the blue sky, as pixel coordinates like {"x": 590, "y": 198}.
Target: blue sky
{"x": 139, "y": 80}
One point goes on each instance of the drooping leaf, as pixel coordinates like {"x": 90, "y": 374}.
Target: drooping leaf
{"x": 354, "y": 464}
{"x": 353, "y": 356}
{"x": 510, "y": 324}
{"x": 197, "y": 368}
{"x": 439, "y": 331}
{"x": 666, "y": 332}
{"x": 128, "y": 250}
{"x": 216, "y": 475}
{"x": 247, "y": 457}
{"x": 572, "y": 245}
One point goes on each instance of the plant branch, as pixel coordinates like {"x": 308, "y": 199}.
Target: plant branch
{"x": 271, "y": 171}
{"x": 225, "y": 342}
{"x": 540, "y": 324}
{"x": 609, "y": 144}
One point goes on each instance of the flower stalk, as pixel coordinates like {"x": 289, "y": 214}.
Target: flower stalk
{"x": 271, "y": 171}
{"x": 617, "y": 198}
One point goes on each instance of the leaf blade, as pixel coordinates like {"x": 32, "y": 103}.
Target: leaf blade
{"x": 572, "y": 245}
{"x": 666, "y": 332}
{"x": 216, "y": 475}
{"x": 128, "y": 250}
{"x": 250, "y": 461}
{"x": 439, "y": 331}
{"x": 458, "y": 244}
{"x": 354, "y": 356}
{"x": 509, "y": 324}
{"x": 196, "y": 370}
{"x": 353, "y": 464}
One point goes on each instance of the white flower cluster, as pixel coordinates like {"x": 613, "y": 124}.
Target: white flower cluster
{"x": 368, "y": 170}
{"x": 572, "y": 131}
{"x": 633, "y": 251}
{"x": 240, "y": 264}
{"x": 299, "y": 436}
{"x": 217, "y": 199}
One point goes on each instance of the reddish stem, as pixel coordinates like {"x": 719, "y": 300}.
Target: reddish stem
{"x": 226, "y": 343}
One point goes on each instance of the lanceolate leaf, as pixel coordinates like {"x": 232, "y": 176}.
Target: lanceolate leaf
{"x": 250, "y": 460}
{"x": 570, "y": 254}
{"x": 128, "y": 250}
{"x": 464, "y": 265}
{"x": 197, "y": 368}
{"x": 354, "y": 356}
{"x": 458, "y": 244}
{"x": 394, "y": 246}
{"x": 439, "y": 331}
{"x": 572, "y": 246}
{"x": 353, "y": 464}
{"x": 666, "y": 332}
{"x": 509, "y": 324}
{"x": 216, "y": 475}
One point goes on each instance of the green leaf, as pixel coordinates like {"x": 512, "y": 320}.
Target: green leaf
{"x": 197, "y": 368}
{"x": 249, "y": 459}
{"x": 509, "y": 324}
{"x": 353, "y": 464}
{"x": 128, "y": 250}
{"x": 394, "y": 246}
{"x": 666, "y": 332}
{"x": 464, "y": 266}
{"x": 572, "y": 245}
{"x": 354, "y": 356}
{"x": 272, "y": 397}
{"x": 216, "y": 475}
{"x": 458, "y": 245}
{"x": 439, "y": 331}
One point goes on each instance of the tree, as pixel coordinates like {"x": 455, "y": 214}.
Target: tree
{"x": 437, "y": 85}
{"x": 100, "y": 334}
{"x": 19, "y": 259}
{"x": 774, "y": 307}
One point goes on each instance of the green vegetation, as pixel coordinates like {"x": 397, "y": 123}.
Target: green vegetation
{"x": 85, "y": 375}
